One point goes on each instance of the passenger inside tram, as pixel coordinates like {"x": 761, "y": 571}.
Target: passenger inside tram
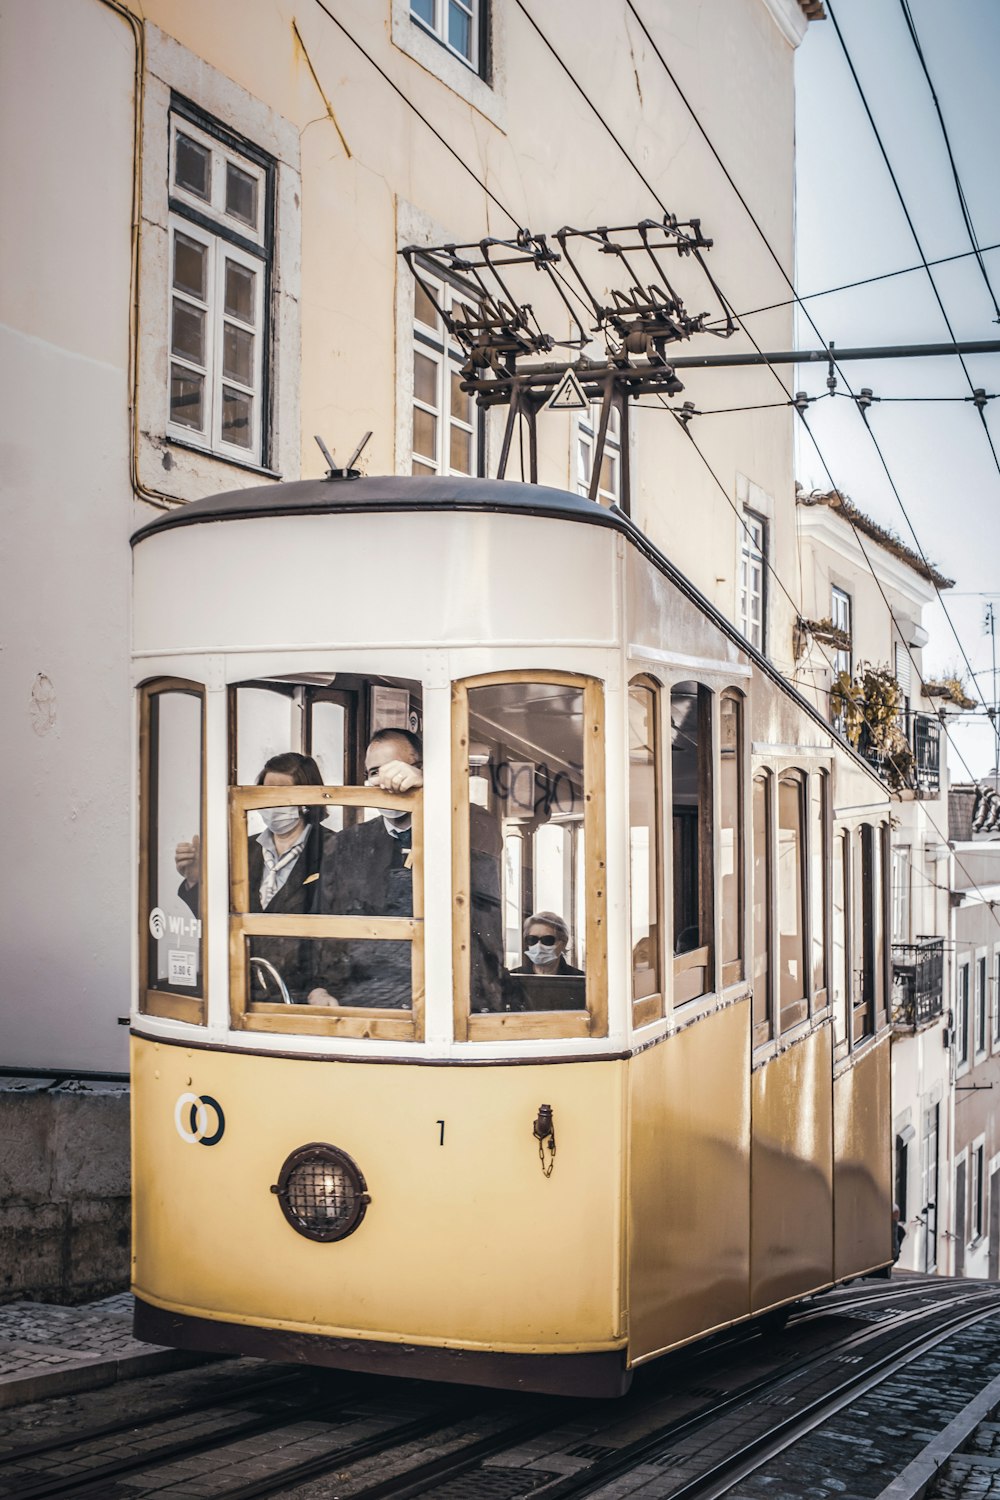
{"x": 526, "y": 795}
{"x": 370, "y": 873}
{"x": 547, "y": 980}
{"x": 285, "y": 862}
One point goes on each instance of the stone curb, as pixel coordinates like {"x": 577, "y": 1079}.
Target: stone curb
{"x": 91, "y": 1374}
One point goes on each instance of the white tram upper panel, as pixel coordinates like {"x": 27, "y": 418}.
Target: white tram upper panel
{"x": 370, "y": 562}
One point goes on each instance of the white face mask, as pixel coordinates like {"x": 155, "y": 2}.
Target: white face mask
{"x": 539, "y": 953}
{"x": 280, "y": 819}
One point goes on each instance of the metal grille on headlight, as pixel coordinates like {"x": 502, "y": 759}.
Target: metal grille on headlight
{"x": 322, "y": 1193}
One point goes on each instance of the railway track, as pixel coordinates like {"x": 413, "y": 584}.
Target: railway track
{"x": 763, "y": 1403}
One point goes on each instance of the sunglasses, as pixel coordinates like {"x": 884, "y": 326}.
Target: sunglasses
{"x": 536, "y": 937}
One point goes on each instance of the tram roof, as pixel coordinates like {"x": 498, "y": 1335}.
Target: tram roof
{"x": 310, "y": 497}
{"x": 357, "y": 495}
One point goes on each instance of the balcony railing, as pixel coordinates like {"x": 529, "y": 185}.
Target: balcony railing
{"x": 917, "y": 981}
{"x": 918, "y": 772}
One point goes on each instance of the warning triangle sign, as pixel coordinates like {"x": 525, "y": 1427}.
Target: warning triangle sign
{"x": 568, "y": 395}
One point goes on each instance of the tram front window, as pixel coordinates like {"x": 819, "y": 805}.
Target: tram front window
{"x": 326, "y": 856}
{"x": 527, "y": 846}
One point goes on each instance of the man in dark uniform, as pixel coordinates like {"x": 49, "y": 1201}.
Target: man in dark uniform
{"x": 369, "y": 873}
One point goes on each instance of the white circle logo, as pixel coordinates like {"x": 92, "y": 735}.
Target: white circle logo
{"x": 191, "y": 1117}
{"x": 157, "y": 922}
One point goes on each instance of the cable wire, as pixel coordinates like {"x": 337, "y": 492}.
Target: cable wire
{"x": 963, "y": 204}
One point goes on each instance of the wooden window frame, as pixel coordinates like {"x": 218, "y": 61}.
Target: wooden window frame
{"x": 794, "y": 1012}
{"x": 190, "y": 1008}
{"x": 819, "y": 994}
{"x": 764, "y": 1032}
{"x": 651, "y": 1007}
{"x": 842, "y": 836}
{"x": 734, "y": 970}
{"x": 523, "y": 1025}
{"x": 313, "y": 1020}
{"x": 704, "y": 956}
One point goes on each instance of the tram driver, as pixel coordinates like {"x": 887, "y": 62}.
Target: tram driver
{"x": 285, "y": 863}
{"x": 370, "y": 873}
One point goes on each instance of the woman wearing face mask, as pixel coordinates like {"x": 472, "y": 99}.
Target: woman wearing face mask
{"x": 285, "y": 864}
{"x": 545, "y": 938}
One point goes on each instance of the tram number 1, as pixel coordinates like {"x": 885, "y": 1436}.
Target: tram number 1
{"x": 441, "y": 1135}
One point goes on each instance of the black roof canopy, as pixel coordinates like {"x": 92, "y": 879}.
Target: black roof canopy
{"x": 392, "y": 493}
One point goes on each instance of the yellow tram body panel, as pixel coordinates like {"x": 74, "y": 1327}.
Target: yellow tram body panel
{"x": 862, "y": 1163}
{"x": 465, "y": 1243}
{"x": 689, "y": 1198}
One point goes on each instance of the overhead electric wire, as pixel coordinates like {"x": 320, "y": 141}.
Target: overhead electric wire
{"x": 420, "y": 116}
{"x": 850, "y": 286}
{"x": 777, "y": 260}
{"x": 753, "y": 341}
{"x": 909, "y": 219}
{"x": 963, "y": 203}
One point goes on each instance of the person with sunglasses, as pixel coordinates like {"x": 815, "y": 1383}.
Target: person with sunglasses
{"x": 546, "y": 938}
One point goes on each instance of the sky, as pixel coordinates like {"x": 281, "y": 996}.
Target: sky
{"x": 850, "y": 226}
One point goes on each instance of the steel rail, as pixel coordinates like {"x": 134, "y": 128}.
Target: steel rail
{"x": 655, "y": 1445}
{"x": 192, "y": 1404}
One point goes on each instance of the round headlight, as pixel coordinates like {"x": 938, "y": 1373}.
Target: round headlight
{"x": 321, "y": 1192}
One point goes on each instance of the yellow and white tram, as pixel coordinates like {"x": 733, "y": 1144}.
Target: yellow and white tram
{"x": 368, "y": 1131}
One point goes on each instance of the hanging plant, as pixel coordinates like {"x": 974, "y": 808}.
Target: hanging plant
{"x": 951, "y": 688}
{"x": 869, "y": 705}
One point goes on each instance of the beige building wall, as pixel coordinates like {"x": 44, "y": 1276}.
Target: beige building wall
{"x": 354, "y": 105}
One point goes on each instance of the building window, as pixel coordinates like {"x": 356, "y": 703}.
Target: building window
{"x": 995, "y": 984}
{"x": 456, "y": 23}
{"x": 840, "y": 615}
{"x": 447, "y": 424}
{"x": 962, "y": 1016}
{"x": 929, "y": 1182}
{"x": 977, "y": 1194}
{"x": 841, "y": 955}
{"x": 981, "y": 1005}
{"x": 219, "y": 222}
{"x": 753, "y": 561}
{"x": 609, "y": 490}
{"x": 901, "y": 895}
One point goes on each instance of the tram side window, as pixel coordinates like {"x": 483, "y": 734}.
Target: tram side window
{"x": 529, "y": 882}
{"x": 731, "y": 836}
{"x": 691, "y": 779}
{"x": 818, "y": 865}
{"x": 172, "y": 957}
{"x": 867, "y": 1001}
{"x": 326, "y": 848}
{"x": 644, "y": 852}
{"x": 840, "y": 955}
{"x": 791, "y": 937}
{"x": 763, "y": 1029}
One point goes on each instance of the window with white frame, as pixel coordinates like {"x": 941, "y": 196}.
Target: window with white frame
{"x": 995, "y": 1000}
{"x": 753, "y": 562}
{"x": 221, "y": 196}
{"x": 962, "y": 1015}
{"x": 977, "y": 1186}
{"x": 840, "y": 615}
{"x": 609, "y": 489}
{"x": 457, "y": 24}
{"x": 901, "y": 894}
{"x": 447, "y": 424}
{"x": 981, "y": 1007}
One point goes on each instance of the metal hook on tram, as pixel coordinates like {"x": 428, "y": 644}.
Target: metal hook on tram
{"x": 268, "y": 968}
